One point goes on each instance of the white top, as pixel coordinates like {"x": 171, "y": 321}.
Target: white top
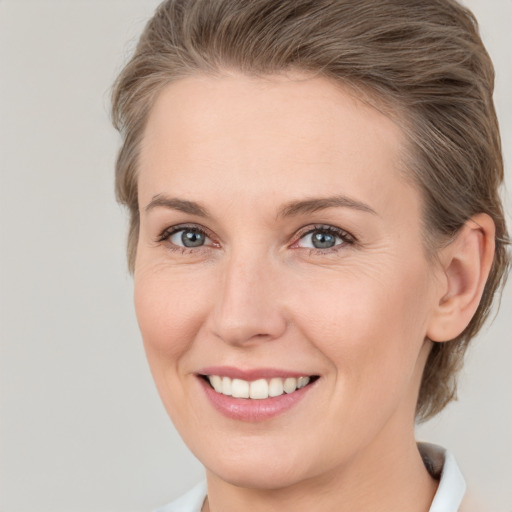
{"x": 439, "y": 462}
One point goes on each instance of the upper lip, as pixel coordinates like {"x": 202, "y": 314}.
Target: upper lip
{"x": 251, "y": 374}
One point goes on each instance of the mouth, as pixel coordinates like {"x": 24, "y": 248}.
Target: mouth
{"x": 259, "y": 389}
{"x": 257, "y": 394}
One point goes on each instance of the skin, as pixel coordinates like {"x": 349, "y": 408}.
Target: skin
{"x": 257, "y": 295}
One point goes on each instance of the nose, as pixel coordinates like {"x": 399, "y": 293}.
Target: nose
{"x": 248, "y": 309}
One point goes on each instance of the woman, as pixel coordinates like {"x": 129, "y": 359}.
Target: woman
{"x": 316, "y": 235}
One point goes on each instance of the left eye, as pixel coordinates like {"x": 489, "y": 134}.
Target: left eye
{"x": 189, "y": 237}
{"x": 322, "y": 238}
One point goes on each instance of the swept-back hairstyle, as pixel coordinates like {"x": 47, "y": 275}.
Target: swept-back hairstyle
{"x": 422, "y": 62}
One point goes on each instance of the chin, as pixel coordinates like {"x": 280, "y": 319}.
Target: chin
{"x": 265, "y": 475}
{"x": 268, "y": 464}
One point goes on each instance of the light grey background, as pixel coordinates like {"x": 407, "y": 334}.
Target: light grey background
{"x": 82, "y": 428}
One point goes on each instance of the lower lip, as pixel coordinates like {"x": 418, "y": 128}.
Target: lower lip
{"x": 251, "y": 410}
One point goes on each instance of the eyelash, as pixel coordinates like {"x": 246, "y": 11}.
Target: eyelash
{"x": 166, "y": 234}
{"x": 346, "y": 237}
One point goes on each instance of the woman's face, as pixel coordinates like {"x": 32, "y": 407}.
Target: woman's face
{"x": 279, "y": 240}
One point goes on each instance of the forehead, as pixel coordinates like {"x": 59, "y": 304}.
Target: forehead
{"x": 265, "y": 135}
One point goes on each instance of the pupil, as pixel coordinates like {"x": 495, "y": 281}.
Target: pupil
{"x": 192, "y": 238}
{"x": 323, "y": 240}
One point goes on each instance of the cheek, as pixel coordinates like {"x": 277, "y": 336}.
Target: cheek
{"x": 372, "y": 334}
{"x": 170, "y": 310}
{"x": 371, "y": 326}
{"x": 170, "y": 313}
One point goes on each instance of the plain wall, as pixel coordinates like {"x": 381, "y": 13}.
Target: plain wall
{"x": 82, "y": 428}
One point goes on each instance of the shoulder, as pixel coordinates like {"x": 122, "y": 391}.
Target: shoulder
{"x": 192, "y": 501}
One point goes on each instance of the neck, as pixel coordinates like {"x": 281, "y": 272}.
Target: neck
{"x": 387, "y": 475}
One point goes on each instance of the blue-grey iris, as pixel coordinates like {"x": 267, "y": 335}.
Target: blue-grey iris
{"x": 322, "y": 240}
{"x": 191, "y": 238}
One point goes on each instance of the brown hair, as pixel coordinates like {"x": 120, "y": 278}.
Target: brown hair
{"x": 424, "y": 59}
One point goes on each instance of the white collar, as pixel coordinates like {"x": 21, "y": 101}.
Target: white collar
{"x": 452, "y": 486}
{"x": 440, "y": 463}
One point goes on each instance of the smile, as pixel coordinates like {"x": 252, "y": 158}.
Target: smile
{"x": 253, "y": 395}
{"x": 259, "y": 389}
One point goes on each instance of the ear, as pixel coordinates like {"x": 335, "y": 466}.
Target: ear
{"x": 465, "y": 266}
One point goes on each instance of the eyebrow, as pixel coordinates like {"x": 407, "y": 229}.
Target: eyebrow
{"x": 312, "y": 205}
{"x": 174, "y": 203}
{"x": 290, "y": 209}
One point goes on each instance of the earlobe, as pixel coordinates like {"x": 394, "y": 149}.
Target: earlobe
{"x": 466, "y": 263}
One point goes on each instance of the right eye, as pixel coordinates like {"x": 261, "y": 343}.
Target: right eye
{"x": 189, "y": 237}
{"x": 186, "y": 237}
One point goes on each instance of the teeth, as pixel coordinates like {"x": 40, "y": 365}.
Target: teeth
{"x": 216, "y": 382}
{"x": 302, "y": 381}
{"x": 257, "y": 389}
{"x": 290, "y": 385}
{"x": 275, "y": 387}
{"x": 239, "y": 388}
{"x": 226, "y": 386}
